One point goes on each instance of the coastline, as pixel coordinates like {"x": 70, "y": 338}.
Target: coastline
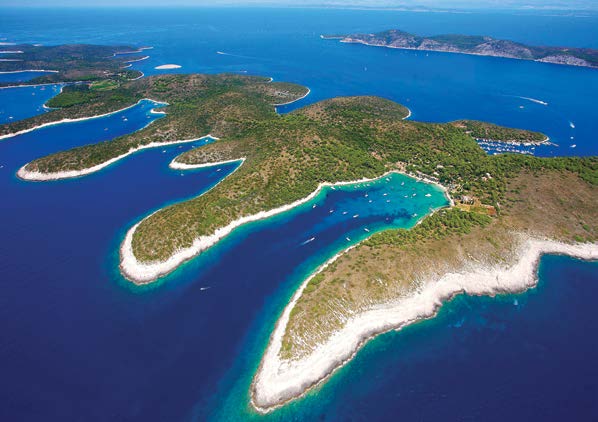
{"x": 357, "y": 41}
{"x": 278, "y": 382}
{"x": 545, "y": 141}
{"x": 292, "y": 101}
{"x": 136, "y": 60}
{"x": 79, "y": 119}
{"x": 138, "y": 77}
{"x": 36, "y": 176}
{"x": 61, "y": 84}
{"x": 182, "y": 166}
{"x": 144, "y": 273}
{"x": 30, "y": 70}
{"x": 139, "y": 50}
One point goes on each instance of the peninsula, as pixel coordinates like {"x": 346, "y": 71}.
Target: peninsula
{"x": 506, "y": 210}
{"x": 72, "y": 62}
{"x": 472, "y": 44}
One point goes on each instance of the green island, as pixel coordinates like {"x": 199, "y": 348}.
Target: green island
{"x": 499, "y": 201}
{"x": 474, "y": 44}
{"x": 73, "y": 63}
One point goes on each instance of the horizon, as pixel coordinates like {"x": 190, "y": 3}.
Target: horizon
{"x": 421, "y": 5}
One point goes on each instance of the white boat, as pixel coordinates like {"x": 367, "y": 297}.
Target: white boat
{"x": 428, "y": 195}
{"x": 356, "y": 215}
{"x": 311, "y": 239}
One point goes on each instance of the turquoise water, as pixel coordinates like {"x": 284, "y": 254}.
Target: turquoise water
{"x": 81, "y": 343}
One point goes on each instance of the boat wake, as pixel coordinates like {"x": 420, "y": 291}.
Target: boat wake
{"x": 311, "y": 239}
{"x": 533, "y": 100}
{"x": 222, "y": 53}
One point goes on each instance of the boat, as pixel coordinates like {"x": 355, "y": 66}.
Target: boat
{"x": 311, "y": 239}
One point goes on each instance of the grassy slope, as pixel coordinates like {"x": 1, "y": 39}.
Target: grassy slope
{"x": 198, "y": 105}
{"x": 339, "y": 139}
{"x": 555, "y": 204}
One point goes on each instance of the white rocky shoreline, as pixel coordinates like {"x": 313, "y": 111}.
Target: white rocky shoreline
{"x": 79, "y": 119}
{"x": 143, "y": 273}
{"x": 279, "y": 381}
{"x": 557, "y": 59}
{"x": 36, "y": 176}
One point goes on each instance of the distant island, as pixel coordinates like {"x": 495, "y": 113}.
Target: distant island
{"x": 71, "y": 62}
{"x": 503, "y": 211}
{"x": 473, "y": 44}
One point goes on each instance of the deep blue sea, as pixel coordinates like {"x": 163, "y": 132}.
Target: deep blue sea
{"x": 81, "y": 343}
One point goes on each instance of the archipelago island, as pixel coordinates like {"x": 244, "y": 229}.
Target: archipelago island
{"x": 72, "y": 62}
{"x": 503, "y": 213}
{"x": 477, "y": 45}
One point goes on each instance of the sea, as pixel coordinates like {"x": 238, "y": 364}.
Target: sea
{"x": 80, "y": 343}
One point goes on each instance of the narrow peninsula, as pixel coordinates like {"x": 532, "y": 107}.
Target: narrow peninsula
{"x": 473, "y": 44}
{"x": 505, "y": 210}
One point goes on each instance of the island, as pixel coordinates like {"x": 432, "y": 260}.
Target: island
{"x": 504, "y": 211}
{"x": 72, "y": 62}
{"x": 473, "y": 44}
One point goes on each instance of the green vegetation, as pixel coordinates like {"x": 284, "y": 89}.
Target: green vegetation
{"x": 105, "y": 85}
{"x": 341, "y": 139}
{"x": 74, "y": 62}
{"x": 288, "y": 156}
{"x": 441, "y": 224}
{"x": 489, "y": 131}
{"x": 473, "y": 44}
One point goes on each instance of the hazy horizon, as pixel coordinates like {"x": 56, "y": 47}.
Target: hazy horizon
{"x": 425, "y": 4}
